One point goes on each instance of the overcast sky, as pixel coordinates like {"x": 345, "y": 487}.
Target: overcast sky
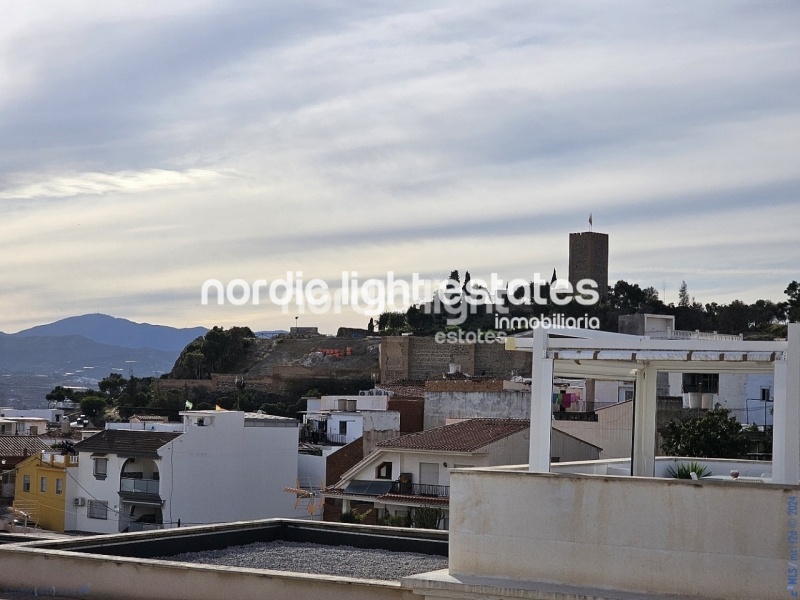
{"x": 150, "y": 146}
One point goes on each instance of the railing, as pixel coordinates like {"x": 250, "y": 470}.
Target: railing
{"x": 678, "y": 334}
{"x": 420, "y": 489}
{"x": 52, "y": 458}
{"x": 144, "y": 486}
{"x": 317, "y": 437}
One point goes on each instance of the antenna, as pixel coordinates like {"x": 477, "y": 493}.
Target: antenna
{"x": 306, "y": 493}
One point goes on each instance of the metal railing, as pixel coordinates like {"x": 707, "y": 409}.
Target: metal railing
{"x": 420, "y": 489}
{"x": 679, "y": 334}
{"x": 317, "y": 437}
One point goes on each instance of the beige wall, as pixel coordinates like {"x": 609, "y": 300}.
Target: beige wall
{"x": 612, "y": 431}
{"x": 70, "y": 574}
{"x": 637, "y": 534}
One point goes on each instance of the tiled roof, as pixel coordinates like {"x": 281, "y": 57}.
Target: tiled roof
{"x": 410, "y": 498}
{"x": 154, "y": 418}
{"x": 465, "y": 436}
{"x": 125, "y": 442}
{"x": 21, "y": 445}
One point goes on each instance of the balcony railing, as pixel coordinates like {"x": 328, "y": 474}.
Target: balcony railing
{"x": 51, "y": 458}
{"x": 678, "y": 334}
{"x": 317, "y": 437}
{"x": 420, "y": 489}
{"x": 143, "y": 486}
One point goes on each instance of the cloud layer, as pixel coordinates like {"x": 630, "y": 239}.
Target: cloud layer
{"x": 149, "y": 148}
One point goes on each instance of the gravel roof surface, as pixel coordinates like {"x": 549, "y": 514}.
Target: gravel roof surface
{"x": 345, "y": 561}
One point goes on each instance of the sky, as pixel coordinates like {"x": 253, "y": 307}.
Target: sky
{"x": 148, "y": 147}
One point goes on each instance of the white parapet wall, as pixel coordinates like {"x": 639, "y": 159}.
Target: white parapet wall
{"x": 656, "y": 536}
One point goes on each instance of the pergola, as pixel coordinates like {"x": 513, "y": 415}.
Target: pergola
{"x": 591, "y": 354}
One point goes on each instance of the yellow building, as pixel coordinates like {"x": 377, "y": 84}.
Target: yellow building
{"x": 41, "y": 490}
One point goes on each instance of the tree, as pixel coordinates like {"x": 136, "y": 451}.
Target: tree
{"x": 713, "y": 435}
{"x": 683, "y": 295}
{"x": 112, "y": 385}
{"x": 93, "y": 406}
{"x": 793, "y": 308}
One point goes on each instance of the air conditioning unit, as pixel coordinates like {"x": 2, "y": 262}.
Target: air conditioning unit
{"x": 80, "y": 501}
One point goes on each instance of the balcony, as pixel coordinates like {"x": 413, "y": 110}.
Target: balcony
{"x": 139, "y": 486}
{"x": 323, "y": 438}
{"x": 59, "y": 460}
{"x": 678, "y": 334}
{"x": 420, "y": 489}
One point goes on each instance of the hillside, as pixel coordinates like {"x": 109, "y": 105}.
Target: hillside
{"x": 319, "y": 356}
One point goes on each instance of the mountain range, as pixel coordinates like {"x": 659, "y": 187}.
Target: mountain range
{"x": 113, "y": 331}
{"x": 81, "y": 350}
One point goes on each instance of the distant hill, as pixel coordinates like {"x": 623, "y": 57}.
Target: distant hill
{"x": 114, "y": 331}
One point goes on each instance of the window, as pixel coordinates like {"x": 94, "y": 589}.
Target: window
{"x": 706, "y": 383}
{"x": 26, "y": 483}
{"x": 97, "y": 510}
{"x": 765, "y": 394}
{"x": 43, "y": 484}
{"x": 59, "y": 486}
{"x": 383, "y": 471}
{"x": 429, "y": 473}
{"x": 100, "y": 468}
{"x": 342, "y": 427}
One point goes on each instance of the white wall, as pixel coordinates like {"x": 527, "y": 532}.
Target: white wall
{"x": 311, "y": 468}
{"x": 375, "y": 402}
{"x": 355, "y": 425}
{"x": 147, "y": 426}
{"x": 612, "y": 431}
{"x": 629, "y": 533}
{"x": 91, "y": 488}
{"x": 52, "y": 415}
{"x": 225, "y": 471}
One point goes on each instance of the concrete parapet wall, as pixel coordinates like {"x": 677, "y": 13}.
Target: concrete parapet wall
{"x": 115, "y": 567}
{"x": 645, "y": 535}
{"x": 32, "y": 572}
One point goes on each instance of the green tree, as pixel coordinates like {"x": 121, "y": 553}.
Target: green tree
{"x": 713, "y": 435}
{"x": 683, "y": 295}
{"x": 793, "y": 304}
{"x": 426, "y": 517}
{"x": 112, "y": 385}
{"x": 93, "y": 406}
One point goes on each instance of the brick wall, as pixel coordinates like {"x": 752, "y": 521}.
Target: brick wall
{"x": 343, "y": 459}
{"x": 412, "y": 413}
{"x": 464, "y": 385}
{"x": 421, "y": 358}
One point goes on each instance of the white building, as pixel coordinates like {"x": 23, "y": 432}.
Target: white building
{"x": 331, "y": 422}
{"x": 53, "y": 416}
{"x": 224, "y": 466}
{"x": 414, "y": 470}
{"x": 23, "y": 426}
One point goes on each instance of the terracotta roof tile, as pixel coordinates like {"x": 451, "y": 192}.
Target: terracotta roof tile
{"x": 465, "y": 436}
{"x": 21, "y": 445}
